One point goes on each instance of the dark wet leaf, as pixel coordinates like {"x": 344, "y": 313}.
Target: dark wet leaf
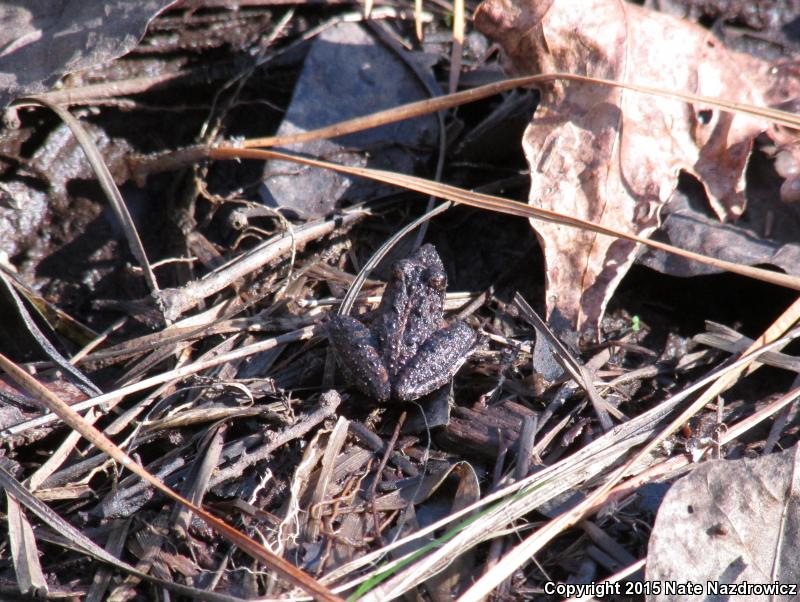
{"x": 41, "y": 40}
{"x": 693, "y": 230}
{"x": 347, "y": 73}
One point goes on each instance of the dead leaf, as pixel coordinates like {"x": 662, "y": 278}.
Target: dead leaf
{"x": 745, "y": 512}
{"x": 24, "y": 551}
{"x": 362, "y": 68}
{"x": 613, "y": 156}
{"x": 41, "y": 40}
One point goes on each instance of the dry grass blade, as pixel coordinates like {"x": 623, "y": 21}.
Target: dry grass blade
{"x": 24, "y": 551}
{"x": 459, "y": 20}
{"x": 727, "y": 339}
{"x": 501, "y": 205}
{"x": 197, "y": 484}
{"x": 539, "y": 487}
{"x": 418, "y": 18}
{"x": 78, "y": 377}
{"x": 106, "y": 181}
{"x": 570, "y": 364}
{"x": 521, "y": 553}
{"x": 115, "y": 544}
{"x": 178, "y": 373}
{"x": 423, "y": 107}
{"x": 744, "y": 425}
{"x": 59, "y": 456}
{"x": 334, "y": 446}
{"x": 355, "y": 288}
{"x": 63, "y": 322}
{"x": 180, "y": 158}
{"x": 283, "y": 568}
{"x": 74, "y": 539}
{"x": 616, "y": 577}
{"x": 528, "y": 494}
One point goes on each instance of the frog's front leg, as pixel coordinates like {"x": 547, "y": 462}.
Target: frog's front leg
{"x": 357, "y": 353}
{"x": 436, "y": 362}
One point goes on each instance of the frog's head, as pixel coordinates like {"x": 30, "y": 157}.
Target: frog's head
{"x": 435, "y": 279}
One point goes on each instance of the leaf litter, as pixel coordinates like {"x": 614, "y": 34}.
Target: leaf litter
{"x": 614, "y": 156}
{"x": 228, "y": 403}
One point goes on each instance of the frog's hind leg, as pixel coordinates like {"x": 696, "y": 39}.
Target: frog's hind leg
{"x": 357, "y": 354}
{"x": 436, "y": 362}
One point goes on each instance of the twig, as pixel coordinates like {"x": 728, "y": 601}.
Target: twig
{"x": 328, "y": 403}
{"x": 508, "y": 207}
{"x": 74, "y": 420}
{"x": 174, "y": 302}
{"x": 379, "y": 472}
{"x": 106, "y": 181}
{"x": 102, "y": 400}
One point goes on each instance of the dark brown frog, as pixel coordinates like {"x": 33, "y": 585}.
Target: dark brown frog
{"x": 404, "y": 349}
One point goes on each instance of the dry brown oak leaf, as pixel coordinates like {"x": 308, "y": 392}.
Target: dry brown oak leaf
{"x": 613, "y": 156}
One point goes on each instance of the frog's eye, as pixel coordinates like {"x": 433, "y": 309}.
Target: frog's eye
{"x": 397, "y": 271}
{"x": 437, "y": 280}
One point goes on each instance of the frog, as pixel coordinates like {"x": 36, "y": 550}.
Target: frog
{"x": 404, "y": 349}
